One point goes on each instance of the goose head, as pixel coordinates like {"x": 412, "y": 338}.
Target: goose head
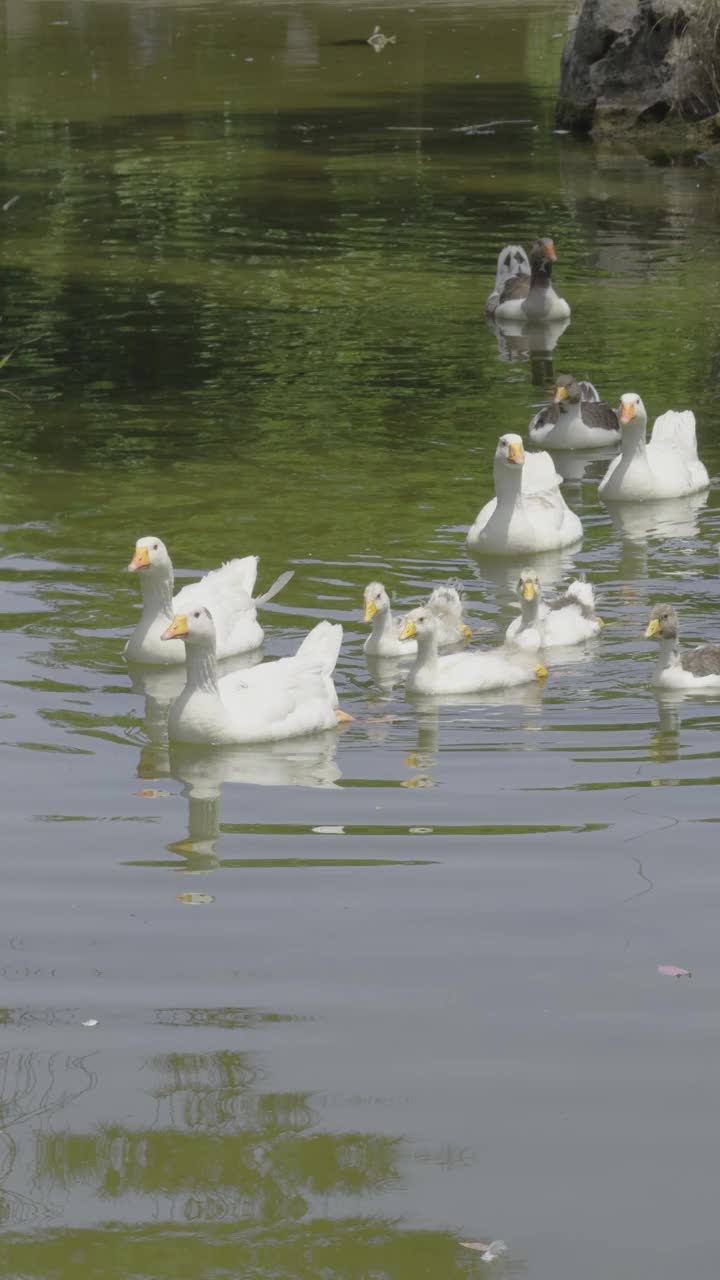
{"x": 420, "y": 624}
{"x": 195, "y": 628}
{"x": 567, "y": 390}
{"x": 543, "y": 255}
{"x": 632, "y": 414}
{"x": 151, "y": 555}
{"x": 510, "y": 454}
{"x": 663, "y": 624}
{"x": 528, "y": 587}
{"x": 376, "y": 600}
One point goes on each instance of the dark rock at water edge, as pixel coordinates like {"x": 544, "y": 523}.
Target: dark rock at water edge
{"x": 634, "y": 64}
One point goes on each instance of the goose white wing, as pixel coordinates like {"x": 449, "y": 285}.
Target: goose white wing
{"x": 321, "y": 646}
{"x": 318, "y": 651}
{"x": 298, "y": 700}
{"x": 539, "y": 477}
{"x": 227, "y": 590}
{"x": 676, "y": 430}
{"x": 227, "y": 593}
{"x": 541, "y": 489}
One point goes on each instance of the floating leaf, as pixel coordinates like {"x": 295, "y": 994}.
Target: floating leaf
{"x": 195, "y": 899}
{"x": 152, "y": 793}
{"x": 90, "y": 1022}
{"x": 672, "y": 971}
{"x": 489, "y": 1252}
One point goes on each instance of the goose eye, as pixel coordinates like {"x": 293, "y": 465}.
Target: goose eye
{"x": 196, "y": 615}
{"x": 155, "y": 546}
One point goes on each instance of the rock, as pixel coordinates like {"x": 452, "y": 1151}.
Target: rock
{"x": 630, "y": 63}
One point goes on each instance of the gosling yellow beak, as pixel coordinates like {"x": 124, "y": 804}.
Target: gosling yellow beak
{"x": 141, "y": 559}
{"x": 541, "y": 672}
{"x": 516, "y": 454}
{"x": 528, "y": 591}
{"x": 652, "y": 629}
{"x": 627, "y": 412}
{"x": 408, "y": 631}
{"x": 466, "y": 632}
{"x": 177, "y": 629}
{"x": 560, "y": 394}
{"x": 370, "y": 611}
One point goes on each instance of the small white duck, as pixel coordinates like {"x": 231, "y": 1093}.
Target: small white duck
{"x": 533, "y": 297}
{"x": 227, "y": 592}
{"x": 666, "y": 467}
{"x": 384, "y": 639}
{"x": 693, "y": 671}
{"x": 282, "y": 699}
{"x": 569, "y": 620}
{"x": 450, "y": 673}
{"x": 512, "y": 261}
{"x": 576, "y": 418}
{"x": 529, "y": 513}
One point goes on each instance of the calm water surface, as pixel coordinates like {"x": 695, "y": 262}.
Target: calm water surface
{"x": 362, "y": 997}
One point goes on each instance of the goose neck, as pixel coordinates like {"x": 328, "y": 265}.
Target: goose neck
{"x": 633, "y": 440}
{"x": 529, "y": 610}
{"x": 427, "y": 650}
{"x": 201, "y": 669}
{"x": 669, "y": 653}
{"x": 508, "y": 483}
{"x": 157, "y": 596}
{"x": 382, "y": 624}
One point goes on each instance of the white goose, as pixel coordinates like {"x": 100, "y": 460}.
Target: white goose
{"x": 227, "y": 592}
{"x": 432, "y": 673}
{"x": 695, "y": 670}
{"x": 282, "y": 699}
{"x": 666, "y": 467}
{"x": 576, "y": 418}
{"x": 529, "y": 512}
{"x": 533, "y": 297}
{"x": 384, "y": 639}
{"x": 512, "y": 261}
{"x": 567, "y": 621}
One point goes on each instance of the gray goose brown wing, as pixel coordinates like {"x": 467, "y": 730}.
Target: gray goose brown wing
{"x": 549, "y": 416}
{"x": 703, "y": 661}
{"x": 515, "y": 289}
{"x": 596, "y": 413}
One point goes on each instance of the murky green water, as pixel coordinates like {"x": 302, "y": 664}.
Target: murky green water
{"x": 243, "y": 263}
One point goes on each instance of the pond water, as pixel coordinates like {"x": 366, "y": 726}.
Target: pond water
{"x": 362, "y": 998}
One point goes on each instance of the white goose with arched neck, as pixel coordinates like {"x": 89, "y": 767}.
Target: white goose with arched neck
{"x": 528, "y": 513}
{"x": 666, "y": 466}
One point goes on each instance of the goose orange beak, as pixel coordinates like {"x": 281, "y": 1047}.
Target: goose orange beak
{"x": 560, "y": 394}
{"x": 141, "y": 559}
{"x": 516, "y": 454}
{"x": 408, "y": 631}
{"x": 652, "y": 629}
{"x": 549, "y": 251}
{"x": 178, "y": 628}
{"x": 370, "y": 611}
{"x": 627, "y": 412}
{"x": 528, "y": 591}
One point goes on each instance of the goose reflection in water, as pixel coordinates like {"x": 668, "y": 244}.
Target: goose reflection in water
{"x": 425, "y": 756}
{"x": 552, "y": 568}
{"x": 301, "y": 762}
{"x": 534, "y": 342}
{"x": 637, "y": 523}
